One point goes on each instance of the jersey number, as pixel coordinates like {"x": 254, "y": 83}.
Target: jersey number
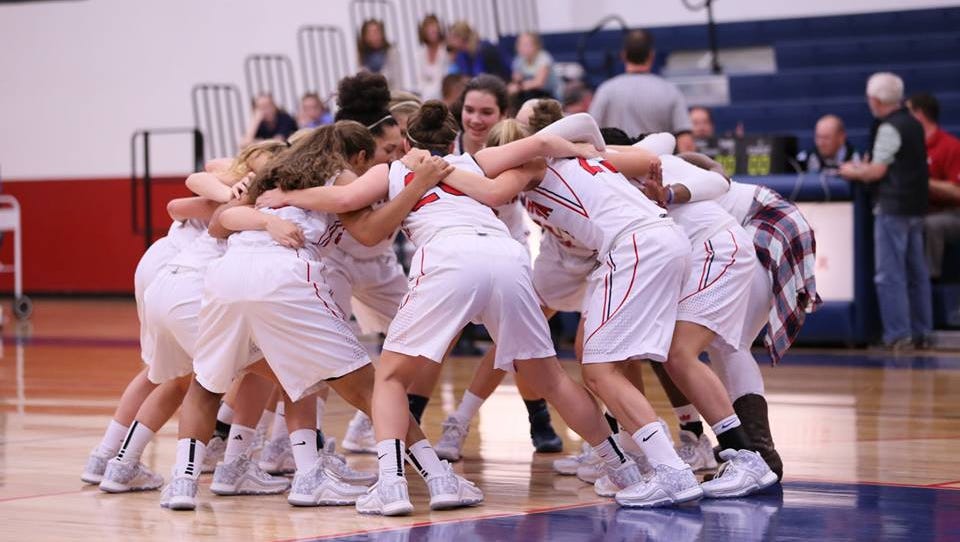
{"x": 593, "y": 170}
{"x": 432, "y": 196}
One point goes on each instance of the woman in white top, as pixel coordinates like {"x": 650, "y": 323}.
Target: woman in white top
{"x": 433, "y": 60}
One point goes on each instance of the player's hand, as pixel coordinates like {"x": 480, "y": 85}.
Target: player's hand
{"x": 272, "y": 199}
{"x": 432, "y": 170}
{"x": 585, "y": 150}
{"x": 239, "y": 190}
{"x": 414, "y": 157}
{"x": 285, "y": 233}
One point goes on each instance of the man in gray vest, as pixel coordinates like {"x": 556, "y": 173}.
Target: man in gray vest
{"x": 897, "y": 173}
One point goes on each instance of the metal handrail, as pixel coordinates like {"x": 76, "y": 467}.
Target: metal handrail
{"x": 145, "y": 135}
{"x": 585, "y": 38}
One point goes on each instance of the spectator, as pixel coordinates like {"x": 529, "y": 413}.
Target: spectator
{"x": 433, "y": 61}
{"x": 639, "y": 102}
{"x": 897, "y": 172}
{"x": 830, "y": 147}
{"x": 473, "y": 56}
{"x": 533, "y": 75}
{"x": 701, "y": 120}
{"x": 453, "y": 85}
{"x": 943, "y": 160}
{"x": 577, "y": 97}
{"x": 376, "y": 54}
{"x": 313, "y": 112}
{"x": 268, "y": 121}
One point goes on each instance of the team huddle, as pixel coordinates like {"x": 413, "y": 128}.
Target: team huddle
{"x": 246, "y": 305}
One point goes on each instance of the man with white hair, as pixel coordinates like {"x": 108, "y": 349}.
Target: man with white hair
{"x": 897, "y": 173}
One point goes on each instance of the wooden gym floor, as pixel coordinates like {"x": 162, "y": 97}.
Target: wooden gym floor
{"x": 867, "y": 441}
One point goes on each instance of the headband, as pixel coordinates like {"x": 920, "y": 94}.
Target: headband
{"x": 384, "y": 119}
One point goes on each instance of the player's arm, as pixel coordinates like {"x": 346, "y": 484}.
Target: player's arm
{"x": 370, "y": 226}
{"x": 188, "y": 208}
{"x": 368, "y": 189}
{"x": 689, "y": 183}
{"x": 210, "y": 186}
{"x": 631, "y": 161}
{"x": 246, "y": 218}
{"x": 496, "y": 160}
{"x": 501, "y": 190}
{"x": 218, "y": 165}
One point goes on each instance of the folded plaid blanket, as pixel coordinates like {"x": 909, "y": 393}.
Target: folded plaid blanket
{"x": 787, "y": 249}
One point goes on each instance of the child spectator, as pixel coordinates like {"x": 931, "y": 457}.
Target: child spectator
{"x": 533, "y": 75}
{"x": 313, "y": 112}
{"x": 268, "y": 121}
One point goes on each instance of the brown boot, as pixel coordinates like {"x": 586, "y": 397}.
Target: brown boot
{"x": 752, "y": 411}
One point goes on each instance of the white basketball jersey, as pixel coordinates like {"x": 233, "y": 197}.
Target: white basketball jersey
{"x": 591, "y": 202}
{"x": 738, "y": 200}
{"x": 200, "y": 252}
{"x": 181, "y": 234}
{"x": 443, "y": 207}
{"x": 512, "y": 216}
{"x": 700, "y": 220}
{"x": 312, "y": 223}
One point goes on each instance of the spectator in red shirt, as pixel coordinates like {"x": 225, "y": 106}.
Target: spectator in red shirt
{"x": 943, "y": 158}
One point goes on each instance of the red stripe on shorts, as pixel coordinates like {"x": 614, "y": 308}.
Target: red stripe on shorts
{"x": 633, "y": 279}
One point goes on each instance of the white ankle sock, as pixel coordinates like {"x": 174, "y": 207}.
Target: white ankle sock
{"x": 425, "y": 459}
{"x": 225, "y": 414}
{"x": 137, "y": 439}
{"x": 113, "y": 438}
{"x": 190, "y": 453}
{"x": 610, "y": 452}
{"x": 303, "y": 442}
{"x": 390, "y": 457}
{"x": 469, "y": 406}
{"x": 238, "y": 442}
{"x": 656, "y": 446}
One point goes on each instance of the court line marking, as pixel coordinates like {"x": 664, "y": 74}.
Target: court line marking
{"x": 497, "y": 515}
{"x": 935, "y": 486}
{"x": 41, "y": 495}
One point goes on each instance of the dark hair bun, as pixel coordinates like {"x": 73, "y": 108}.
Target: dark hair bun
{"x": 433, "y": 115}
{"x": 363, "y": 93}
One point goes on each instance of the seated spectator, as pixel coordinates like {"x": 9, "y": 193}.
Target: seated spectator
{"x": 268, "y": 121}
{"x": 577, "y": 97}
{"x": 452, "y": 88}
{"x": 473, "y": 56}
{"x": 533, "y": 75}
{"x": 831, "y": 148}
{"x": 376, "y": 54}
{"x": 313, "y": 112}
{"x": 897, "y": 173}
{"x": 701, "y": 120}
{"x": 639, "y": 102}
{"x": 942, "y": 225}
{"x": 433, "y": 60}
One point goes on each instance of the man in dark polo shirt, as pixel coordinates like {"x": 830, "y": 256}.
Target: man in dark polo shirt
{"x": 943, "y": 158}
{"x": 897, "y": 172}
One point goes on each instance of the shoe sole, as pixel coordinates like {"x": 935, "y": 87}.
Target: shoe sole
{"x": 351, "y": 446}
{"x": 108, "y": 486}
{"x": 393, "y": 509}
{"x": 225, "y": 490}
{"x": 565, "y": 472}
{"x": 549, "y": 447}
{"x": 449, "y": 502}
{"x": 587, "y": 480}
{"x": 768, "y": 480}
{"x": 311, "y": 501}
{"x": 181, "y": 503}
{"x": 91, "y": 479}
{"x": 691, "y": 494}
{"x": 446, "y": 454}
